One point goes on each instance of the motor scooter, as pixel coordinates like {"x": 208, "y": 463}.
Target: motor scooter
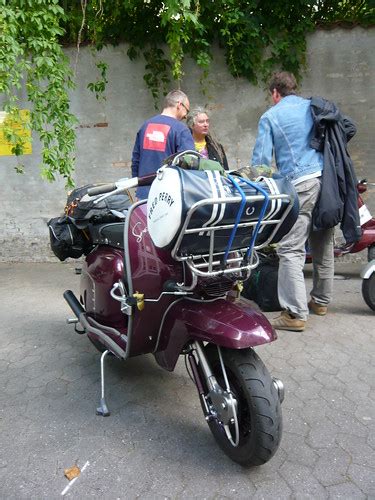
{"x": 367, "y": 240}
{"x": 368, "y": 284}
{"x": 367, "y": 222}
{"x": 137, "y": 297}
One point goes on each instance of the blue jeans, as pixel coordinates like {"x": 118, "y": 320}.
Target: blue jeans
{"x": 292, "y": 253}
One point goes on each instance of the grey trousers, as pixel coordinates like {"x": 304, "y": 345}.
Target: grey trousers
{"x": 292, "y": 253}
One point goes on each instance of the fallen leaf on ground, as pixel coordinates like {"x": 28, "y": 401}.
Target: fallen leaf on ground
{"x": 72, "y": 472}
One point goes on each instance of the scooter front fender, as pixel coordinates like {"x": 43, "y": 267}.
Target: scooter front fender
{"x": 368, "y": 270}
{"x": 231, "y": 324}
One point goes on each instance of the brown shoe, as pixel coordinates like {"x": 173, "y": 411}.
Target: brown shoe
{"x": 286, "y": 322}
{"x": 318, "y": 309}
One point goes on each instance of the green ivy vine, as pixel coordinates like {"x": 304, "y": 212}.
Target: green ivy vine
{"x": 32, "y": 61}
{"x": 256, "y": 36}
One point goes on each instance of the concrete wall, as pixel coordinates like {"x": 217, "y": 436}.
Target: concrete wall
{"x": 340, "y": 66}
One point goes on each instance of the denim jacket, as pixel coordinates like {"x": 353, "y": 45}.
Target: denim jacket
{"x": 286, "y": 129}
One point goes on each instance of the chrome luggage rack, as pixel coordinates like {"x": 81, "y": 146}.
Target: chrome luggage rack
{"x": 236, "y": 260}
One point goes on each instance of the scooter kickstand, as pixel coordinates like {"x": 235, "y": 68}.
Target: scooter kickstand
{"x": 102, "y": 409}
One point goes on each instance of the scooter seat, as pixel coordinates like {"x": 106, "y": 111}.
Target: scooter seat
{"x": 111, "y": 234}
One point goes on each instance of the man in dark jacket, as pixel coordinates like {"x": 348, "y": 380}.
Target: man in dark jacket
{"x": 160, "y": 137}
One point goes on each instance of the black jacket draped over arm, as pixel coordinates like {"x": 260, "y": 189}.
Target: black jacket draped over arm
{"x": 338, "y": 201}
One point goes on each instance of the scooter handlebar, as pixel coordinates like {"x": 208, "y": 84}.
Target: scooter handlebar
{"x": 104, "y": 188}
{"x": 146, "y": 180}
{"x": 107, "y": 190}
{"x": 120, "y": 186}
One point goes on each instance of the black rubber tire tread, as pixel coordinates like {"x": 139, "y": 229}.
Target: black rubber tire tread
{"x": 368, "y": 291}
{"x": 248, "y": 371}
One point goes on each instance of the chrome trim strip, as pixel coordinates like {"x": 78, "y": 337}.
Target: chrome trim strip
{"x": 105, "y": 328}
{"x": 114, "y": 348}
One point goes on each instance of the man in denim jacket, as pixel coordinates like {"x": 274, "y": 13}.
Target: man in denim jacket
{"x": 285, "y": 130}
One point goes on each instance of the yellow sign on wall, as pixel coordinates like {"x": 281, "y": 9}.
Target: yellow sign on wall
{"x": 20, "y": 128}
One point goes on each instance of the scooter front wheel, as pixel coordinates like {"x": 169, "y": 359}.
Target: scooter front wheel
{"x": 368, "y": 291}
{"x": 259, "y": 419}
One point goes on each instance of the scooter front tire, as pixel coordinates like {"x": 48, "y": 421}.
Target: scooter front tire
{"x": 259, "y": 408}
{"x": 368, "y": 291}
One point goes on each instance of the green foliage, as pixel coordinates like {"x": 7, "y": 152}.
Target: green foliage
{"x": 345, "y": 12}
{"x": 99, "y": 86}
{"x": 257, "y": 37}
{"x": 157, "y": 67}
{"x": 32, "y": 60}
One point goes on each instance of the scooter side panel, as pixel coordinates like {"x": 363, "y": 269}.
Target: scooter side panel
{"x": 234, "y": 325}
{"x": 367, "y": 239}
{"x": 103, "y": 268}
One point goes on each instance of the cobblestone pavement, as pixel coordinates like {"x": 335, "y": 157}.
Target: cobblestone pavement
{"x": 156, "y": 444}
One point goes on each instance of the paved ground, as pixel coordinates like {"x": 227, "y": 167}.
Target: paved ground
{"x": 156, "y": 443}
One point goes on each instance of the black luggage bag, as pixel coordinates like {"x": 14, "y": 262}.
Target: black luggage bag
{"x": 82, "y": 210}
{"x": 70, "y": 234}
{"x": 261, "y": 287}
{"x": 66, "y": 239}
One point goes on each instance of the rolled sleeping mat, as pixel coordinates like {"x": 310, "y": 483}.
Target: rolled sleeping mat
{"x": 174, "y": 192}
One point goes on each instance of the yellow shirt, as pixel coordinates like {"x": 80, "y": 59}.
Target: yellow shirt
{"x": 201, "y": 147}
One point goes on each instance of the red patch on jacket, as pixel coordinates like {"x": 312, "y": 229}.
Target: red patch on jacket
{"x": 155, "y": 137}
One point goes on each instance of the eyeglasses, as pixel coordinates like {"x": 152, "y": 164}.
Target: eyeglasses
{"x": 186, "y": 108}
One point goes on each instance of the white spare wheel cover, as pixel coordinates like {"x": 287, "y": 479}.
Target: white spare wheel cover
{"x": 164, "y": 208}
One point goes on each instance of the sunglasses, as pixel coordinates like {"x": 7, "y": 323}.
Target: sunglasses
{"x": 186, "y": 108}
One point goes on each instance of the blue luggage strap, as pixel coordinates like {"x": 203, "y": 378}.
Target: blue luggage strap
{"x": 238, "y": 218}
{"x": 240, "y": 212}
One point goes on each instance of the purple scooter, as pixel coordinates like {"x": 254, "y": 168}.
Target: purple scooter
{"x": 137, "y": 298}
